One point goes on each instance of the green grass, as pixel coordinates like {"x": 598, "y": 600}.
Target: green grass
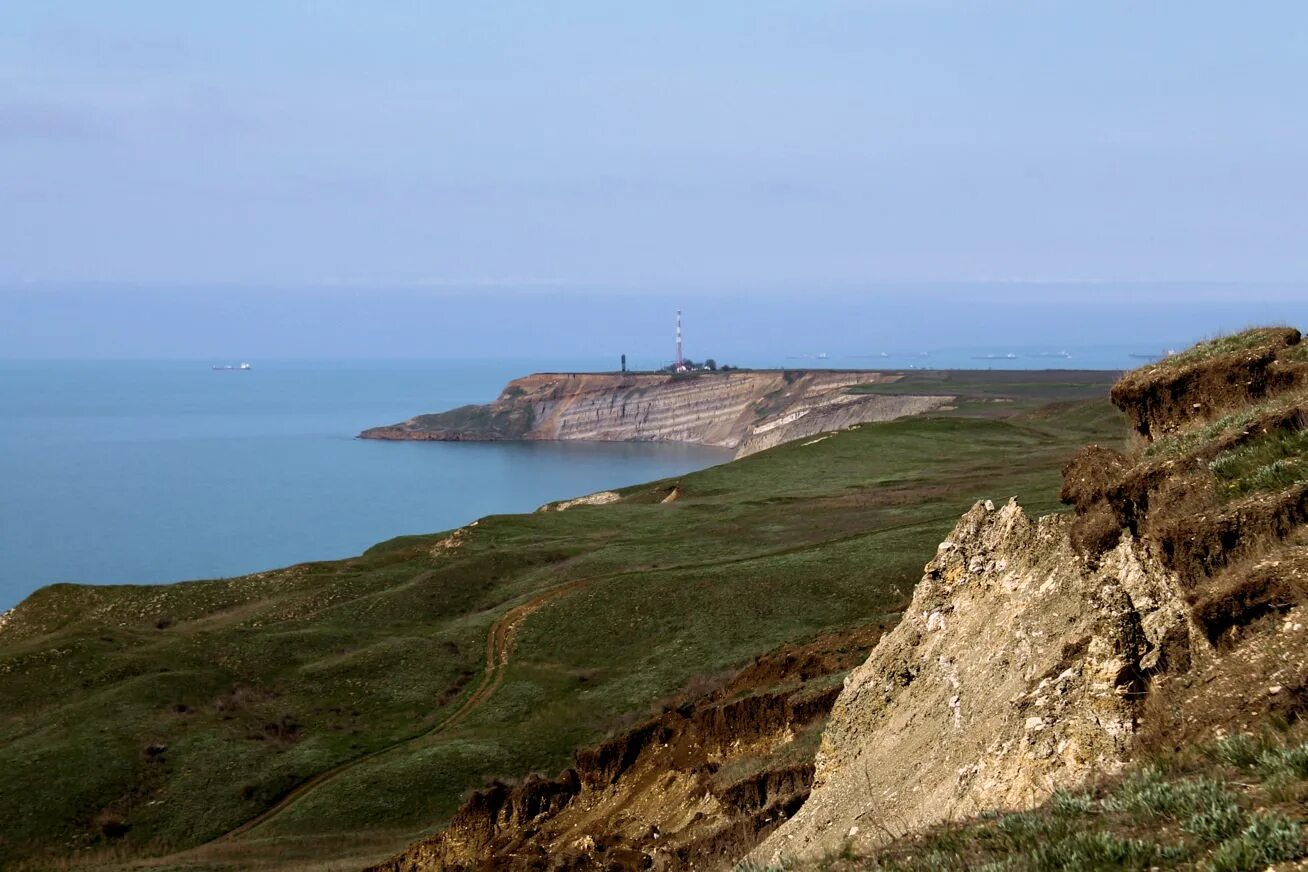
{"x": 493, "y": 421}
{"x": 1222, "y": 345}
{"x": 1188, "y": 440}
{"x": 983, "y": 393}
{"x": 1237, "y": 806}
{"x": 1268, "y": 463}
{"x": 149, "y": 719}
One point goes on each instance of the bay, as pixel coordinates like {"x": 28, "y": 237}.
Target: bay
{"x": 158, "y": 471}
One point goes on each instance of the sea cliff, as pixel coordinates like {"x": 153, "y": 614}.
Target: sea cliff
{"x": 747, "y": 411}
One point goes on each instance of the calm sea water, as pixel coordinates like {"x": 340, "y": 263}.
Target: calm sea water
{"x": 162, "y": 471}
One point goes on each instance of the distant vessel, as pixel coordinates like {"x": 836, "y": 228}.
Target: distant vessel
{"x": 229, "y": 367}
{"x": 994, "y": 357}
{"x": 1062, "y": 354}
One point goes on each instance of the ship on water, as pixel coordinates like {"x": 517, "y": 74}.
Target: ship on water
{"x": 227, "y": 367}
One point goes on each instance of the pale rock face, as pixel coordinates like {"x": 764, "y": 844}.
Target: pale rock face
{"x": 722, "y": 410}
{"x": 1017, "y": 668}
{"x": 602, "y": 498}
{"x": 746, "y": 411}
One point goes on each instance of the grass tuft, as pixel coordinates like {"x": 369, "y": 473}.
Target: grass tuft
{"x": 1269, "y": 838}
{"x": 1239, "y": 750}
{"x": 1067, "y": 803}
{"x": 1199, "y": 811}
{"x": 1284, "y": 763}
{"x": 1268, "y": 463}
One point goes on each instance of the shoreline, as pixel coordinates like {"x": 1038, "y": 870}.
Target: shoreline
{"x": 530, "y": 504}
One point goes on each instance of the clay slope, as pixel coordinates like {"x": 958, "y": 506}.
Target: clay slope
{"x": 1040, "y": 654}
{"x": 748, "y": 411}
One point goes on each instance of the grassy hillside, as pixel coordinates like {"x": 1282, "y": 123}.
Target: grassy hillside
{"x": 375, "y": 692}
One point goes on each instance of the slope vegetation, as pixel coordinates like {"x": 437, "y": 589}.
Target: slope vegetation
{"x": 328, "y": 714}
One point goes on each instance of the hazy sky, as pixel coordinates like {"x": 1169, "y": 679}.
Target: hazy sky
{"x": 627, "y": 148}
{"x": 612, "y": 142}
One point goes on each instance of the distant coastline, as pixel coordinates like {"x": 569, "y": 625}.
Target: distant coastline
{"x": 743, "y": 410}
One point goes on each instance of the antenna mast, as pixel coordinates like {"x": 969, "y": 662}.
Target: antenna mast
{"x": 681, "y": 361}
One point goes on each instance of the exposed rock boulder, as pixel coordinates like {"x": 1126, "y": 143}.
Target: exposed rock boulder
{"x": 601, "y": 498}
{"x": 1018, "y": 668}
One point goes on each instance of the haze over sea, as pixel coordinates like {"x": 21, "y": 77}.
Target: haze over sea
{"x": 156, "y": 471}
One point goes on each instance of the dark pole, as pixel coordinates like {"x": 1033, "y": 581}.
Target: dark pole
{"x": 624, "y": 363}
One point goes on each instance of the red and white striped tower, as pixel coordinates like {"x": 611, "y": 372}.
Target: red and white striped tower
{"x": 681, "y": 361}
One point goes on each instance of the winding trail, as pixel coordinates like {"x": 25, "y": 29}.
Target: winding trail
{"x": 499, "y": 645}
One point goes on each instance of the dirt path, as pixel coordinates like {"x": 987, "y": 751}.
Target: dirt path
{"x": 499, "y": 644}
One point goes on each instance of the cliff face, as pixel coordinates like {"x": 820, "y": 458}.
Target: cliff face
{"x": 748, "y": 411}
{"x": 1017, "y": 668}
{"x": 1037, "y": 655}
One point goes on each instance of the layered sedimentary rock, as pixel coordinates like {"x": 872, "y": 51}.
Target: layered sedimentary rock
{"x": 747, "y": 411}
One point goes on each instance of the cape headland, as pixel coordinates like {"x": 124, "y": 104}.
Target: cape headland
{"x": 748, "y": 411}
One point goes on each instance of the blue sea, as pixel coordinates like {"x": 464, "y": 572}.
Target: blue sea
{"x": 161, "y": 471}
{"x": 145, "y": 472}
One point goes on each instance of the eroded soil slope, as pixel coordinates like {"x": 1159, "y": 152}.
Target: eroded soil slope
{"x": 1041, "y": 654}
{"x": 690, "y": 789}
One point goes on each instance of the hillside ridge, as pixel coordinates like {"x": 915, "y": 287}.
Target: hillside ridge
{"x": 144, "y": 722}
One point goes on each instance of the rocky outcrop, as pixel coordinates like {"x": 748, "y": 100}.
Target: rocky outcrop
{"x": 1038, "y": 654}
{"x": 1018, "y": 668}
{"x": 747, "y": 411}
{"x": 601, "y": 498}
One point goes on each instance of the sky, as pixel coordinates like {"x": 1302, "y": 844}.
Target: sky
{"x": 342, "y": 161}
